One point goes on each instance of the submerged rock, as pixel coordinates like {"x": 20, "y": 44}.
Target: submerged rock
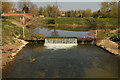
{"x": 32, "y": 60}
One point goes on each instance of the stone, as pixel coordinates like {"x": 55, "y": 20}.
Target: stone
{"x": 13, "y": 54}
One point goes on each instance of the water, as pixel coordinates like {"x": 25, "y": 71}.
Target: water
{"x": 82, "y": 61}
{"x": 60, "y": 43}
{"x": 60, "y": 33}
{"x": 39, "y": 60}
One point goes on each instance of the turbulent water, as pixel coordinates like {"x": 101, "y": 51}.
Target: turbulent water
{"x": 60, "y": 43}
{"x": 82, "y": 61}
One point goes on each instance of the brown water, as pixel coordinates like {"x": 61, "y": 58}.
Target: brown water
{"x": 82, "y": 61}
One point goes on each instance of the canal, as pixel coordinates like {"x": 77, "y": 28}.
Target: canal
{"x": 82, "y": 61}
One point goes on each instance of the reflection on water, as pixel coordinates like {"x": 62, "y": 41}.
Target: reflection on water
{"x": 60, "y": 33}
{"x": 82, "y": 61}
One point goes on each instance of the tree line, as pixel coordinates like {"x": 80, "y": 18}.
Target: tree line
{"x": 108, "y": 9}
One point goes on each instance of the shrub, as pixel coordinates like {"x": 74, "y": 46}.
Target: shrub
{"x": 9, "y": 56}
{"x": 16, "y": 33}
{"x": 91, "y": 22}
{"x": 51, "y": 21}
{"x": 115, "y": 38}
{"x": 27, "y": 26}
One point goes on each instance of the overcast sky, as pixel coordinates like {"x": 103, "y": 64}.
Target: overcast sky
{"x": 60, "y": 0}
{"x": 64, "y": 6}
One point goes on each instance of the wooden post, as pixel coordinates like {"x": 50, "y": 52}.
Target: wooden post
{"x": 23, "y": 33}
{"x": 24, "y": 23}
{"x": 96, "y": 33}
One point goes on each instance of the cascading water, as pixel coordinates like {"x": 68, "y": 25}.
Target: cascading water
{"x": 60, "y": 43}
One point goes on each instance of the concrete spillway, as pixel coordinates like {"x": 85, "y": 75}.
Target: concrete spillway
{"x": 60, "y": 43}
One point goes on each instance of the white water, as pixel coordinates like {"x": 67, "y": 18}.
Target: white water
{"x": 60, "y": 43}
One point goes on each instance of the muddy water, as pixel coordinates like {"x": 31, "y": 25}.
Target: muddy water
{"x": 82, "y": 61}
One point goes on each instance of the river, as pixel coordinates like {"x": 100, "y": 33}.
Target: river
{"x": 82, "y": 61}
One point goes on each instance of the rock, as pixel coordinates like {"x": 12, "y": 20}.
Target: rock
{"x": 12, "y": 57}
{"x": 13, "y": 54}
{"x": 109, "y": 46}
{"x": 32, "y": 60}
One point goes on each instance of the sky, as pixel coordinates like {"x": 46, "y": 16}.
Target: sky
{"x": 60, "y": 0}
{"x": 65, "y": 5}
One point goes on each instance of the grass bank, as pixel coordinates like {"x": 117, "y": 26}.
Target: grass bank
{"x": 79, "y": 21}
{"x": 77, "y": 24}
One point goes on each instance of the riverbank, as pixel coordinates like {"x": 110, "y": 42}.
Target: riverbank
{"x": 12, "y": 40}
{"x": 106, "y": 42}
{"x": 77, "y": 21}
{"x": 9, "y": 51}
{"x": 75, "y": 24}
{"x": 109, "y": 45}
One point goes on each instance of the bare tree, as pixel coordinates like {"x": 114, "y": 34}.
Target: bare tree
{"x": 104, "y": 9}
{"x": 34, "y": 10}
{"x": 23, "y": 3}
{"x": 113, "y": 9}
{"x": 7, "y": 6}
{"x": 0, "y": 6}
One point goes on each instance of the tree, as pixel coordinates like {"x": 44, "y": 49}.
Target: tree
{"x": 95, "y": 14}
{"x": 34, "y": 10}
{"x": 7, "y": 6}
{"x": 113, "y": 9}
{"x": 109, "y": 9}
{"x": 26, "y": 9}
{"x": 105, "y": 9}
{"x": 23, "y": 3}
{"x": 68, "y": 14}
{"x": 87, "y": 12}
{"x": 0, "y": 6}
{"x": 51, "y": 11}
{"x": 41, "y": 9}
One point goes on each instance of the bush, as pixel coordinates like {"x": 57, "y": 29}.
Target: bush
{"x": 91, "y": 22}
{"x": 16, "y": 33}
{"x": 51, "y": 21}
{"x": 115, "y": 39}
{"x": 27, "y": 26}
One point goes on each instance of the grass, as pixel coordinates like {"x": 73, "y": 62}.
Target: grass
{"x": 112, "y": 36}
{"x": 16, "y": 18}
{"x": 80, "y": 21}
{"x": 69, "y": 23}
{"x": 105, "y": 24}
{"x": 10, "y": 31}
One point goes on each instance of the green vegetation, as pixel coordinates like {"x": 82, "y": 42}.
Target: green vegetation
{"x": 11, "y": 31}
{"x": 50, "y": 21}
{"x": 108, "y": 34}
{"x": 16, "y": 18}
{"x": 107, "y": 10}
{"x": 8, "y": 31}
{"x": 9, "y": 56}
{"x": 115, "y": 38}
{"x": 79, "y": 21}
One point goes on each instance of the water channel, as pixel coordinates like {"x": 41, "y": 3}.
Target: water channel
{"x": 81, "y": 61}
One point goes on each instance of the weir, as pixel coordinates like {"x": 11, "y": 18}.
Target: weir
{"x": 64, "y": 40}
{"x": 55, "y": 43}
